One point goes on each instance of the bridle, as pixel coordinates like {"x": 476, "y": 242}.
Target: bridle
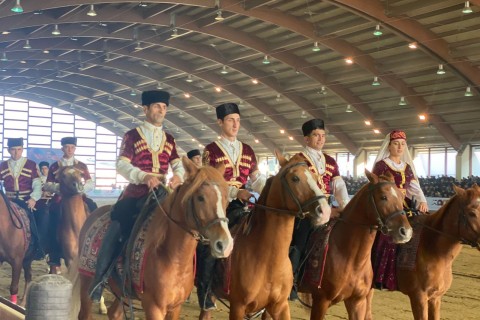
{"x": 300, "y": 213}
{"x": 199, "y": 231}
{"x": 382, "y": 222}
{"x": 462, "y": 221}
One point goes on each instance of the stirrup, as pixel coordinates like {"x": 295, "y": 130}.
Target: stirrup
{"x": 97, "y": 291}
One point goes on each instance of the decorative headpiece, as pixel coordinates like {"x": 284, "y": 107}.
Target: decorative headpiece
{"x": 154, "y": 96}
{"x": 15, "y": 142}
{"x": 311, "y": 125}
{"x": 398, "y": 134}
{"x": 69, "y": 140}
{"x": 193, "y": 153}
{"x": 43, "y": 164}
{"x": 225, "y": 109}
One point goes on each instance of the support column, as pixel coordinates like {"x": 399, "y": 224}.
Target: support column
{"x": 359, "y": 163}
{"x": 463, "y": 162}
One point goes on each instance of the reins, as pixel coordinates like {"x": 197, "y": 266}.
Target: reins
{"x": 199, "y": 236}
{"x": 12, "y": 213}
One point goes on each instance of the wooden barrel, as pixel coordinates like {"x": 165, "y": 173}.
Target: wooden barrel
{"x": 49, "y": 297}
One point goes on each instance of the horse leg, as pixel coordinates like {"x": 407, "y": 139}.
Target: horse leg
{"x": 237, "y": 311}
{"x": 27, "y": 273}
{"x": 319, "y": 308}
{"x": 102, "y": 308}
{"x": 174, "y": 314}
{"x": 434, "y": 305}
{"x": 16, "y": 271}
{"x": 85, "y": 301}
{"x": 419, "y": 305}
{"x": 356, "y": 308}
{"x": 205, "y": 314}
{"x": 152, "y": 309}
{"x": 115, "y": 311}
{"x": 368, "y": 312}
{"x": 280, "y": 311}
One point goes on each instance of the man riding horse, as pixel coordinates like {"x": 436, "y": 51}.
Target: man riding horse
{"x": 145, "y": 155}
{"x": 241, "y": 164}
{"x": 23, "y": 186}
{"x": 69, "y": 145}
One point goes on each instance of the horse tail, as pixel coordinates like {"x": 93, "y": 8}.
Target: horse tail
{"x": 73, "y": 276}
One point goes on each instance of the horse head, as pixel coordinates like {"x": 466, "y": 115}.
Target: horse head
{"x": 70, "y": 180}
{"x": 468, "y": 208}
{"x": 206, "y": 201}
{"x": 386, "y": 201}
{"x": 301, "y": 193}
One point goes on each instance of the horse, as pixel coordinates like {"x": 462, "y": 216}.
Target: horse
{"x": 261, "y": 273}
{"x": 347, "y": 268}
{"x": 440, "y": 242}
{"x": 14, "y": 242}
{"x": 194, "y": 211}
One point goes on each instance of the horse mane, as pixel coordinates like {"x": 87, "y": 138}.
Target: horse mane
{"x": 159, "y": 226}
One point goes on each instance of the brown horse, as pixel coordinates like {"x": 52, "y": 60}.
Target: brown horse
{"x": 261, "y": 275}
{"x": 194, "y": 210}
{"x": 347, "y": 269}
{"x": 74, "y": 212}
{"x": 456, "y": 222}
{"x": 13, "y": 242}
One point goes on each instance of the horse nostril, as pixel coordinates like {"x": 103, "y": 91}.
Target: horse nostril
{"x": 219, "y": 246}
{"x": 403, "y": 231}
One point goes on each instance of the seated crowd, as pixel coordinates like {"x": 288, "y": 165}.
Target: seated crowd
{"x": 440, "y": 187}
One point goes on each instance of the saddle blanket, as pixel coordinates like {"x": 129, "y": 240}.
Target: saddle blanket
{"x": 316, "y": 254}
{"x": 407, "y": 253}
{"x": 93, "y": 241}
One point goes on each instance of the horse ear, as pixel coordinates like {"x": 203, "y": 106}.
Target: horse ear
{"x": 390, "y": 176}
{"x": 190, "y": 167}
{"x": 372, "y": 177}
{"x": 221, "y": 167}
{"x": 458, "y": 190}
{"x": 280, "y": 157}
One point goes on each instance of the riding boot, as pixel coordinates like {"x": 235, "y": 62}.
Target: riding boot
{"x": 109, "y": 250}
{"x": 205, "y": 268}
{"x": 295, "y": 256}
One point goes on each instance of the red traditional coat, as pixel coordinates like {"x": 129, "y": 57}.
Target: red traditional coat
{"x": 135, "y": 150}
{"x": 331, "y": 171}
{"x": 403, "y": 178}
{"x": 20, "y": 185}
{"x": 54, "y": 167}
{"x": 235, "y": 174}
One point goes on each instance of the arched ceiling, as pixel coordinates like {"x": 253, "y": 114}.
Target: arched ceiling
{"x": 98, "y": 66}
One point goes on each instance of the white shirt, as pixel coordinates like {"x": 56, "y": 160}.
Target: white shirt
{"x": 232, "y": 148}
{"x": 55, "y": 187}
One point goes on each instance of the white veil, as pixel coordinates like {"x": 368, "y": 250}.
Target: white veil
{"x": 384, "y": 153}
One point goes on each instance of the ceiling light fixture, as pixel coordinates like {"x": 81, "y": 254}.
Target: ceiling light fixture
{"x": 290, "y": 138}
{"x": 278, "y": 98}
{"x": 203, "y": 128}
{"x": 257, "y": 141}
{"x": 189, "y": 78}
{"x": 303, "y": 115}
{"x": 349, "y": 109}
{"x": 174, "y": 33}
{"x": 368, "y": 122}
{"x": 468, "y": 92}
{"x": 265, "y": 119}
{"x": 323, "y": 90}
{"x": 110, "y": 98}
{"x": 27, "y": 45}
{"x": 46, "y": 51}
{"x": 422, "y": 117}
{"x": 440, "y": 69}
{"x": 224, "y": 70}
{"x": 375, "y": 82}
{"x": 265, "y": 60}
{"x": 91, "y": 12}
{"x": 17, "y": 8}
{"x": 218, "y": 89}
{"x": 133, "y": 93}
{"x": 210, "y": 109}
{"x": 402, "y": 101}
{"x": 315, "y": 47}
{"x": 181, "y": 115}
{"x": 138, "y": 46}
{"x": 254, "y": 81}
{"x": 142, "y": 4}
{"x": 282, "y": 131}
{"x": 377, "y": 32}
{"x": 413, "y": 45}
{"x": 376, "y": 131}
{"x": 56, "y": 31}
{"x": 349, "y": 60}
{"x": 466, "y": 9}
{"x": 159, "y": 85}
{"x": 219, "y": 16}
{"x": 187, "y": 95}
{"x": 90, "y": 103}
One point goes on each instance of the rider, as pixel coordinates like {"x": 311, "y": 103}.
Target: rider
{"x": 145, "y": 155}
{"x": 42, "y": 219}
{"x": 195, "y": 156}
{"x": 329, "y": 181}
{"x": 240, "y": 164}
{"x": 24, "y": 187}
{"x": 69, "y": 145}
{"x": 395, "y": 158}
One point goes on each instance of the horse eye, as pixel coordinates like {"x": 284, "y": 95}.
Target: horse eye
{"x": 201, "y": 198}
{"x": 295, "y": 179}
{"x": 384, "y": 198}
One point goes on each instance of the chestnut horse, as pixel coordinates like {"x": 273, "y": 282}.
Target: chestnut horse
{"x": 347, "y": 269}
{"x": 261, "y": 275}
{"x": 195, "y": 210}
{"x": 13, "y": 244}
{"x": 456, "y": 222}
